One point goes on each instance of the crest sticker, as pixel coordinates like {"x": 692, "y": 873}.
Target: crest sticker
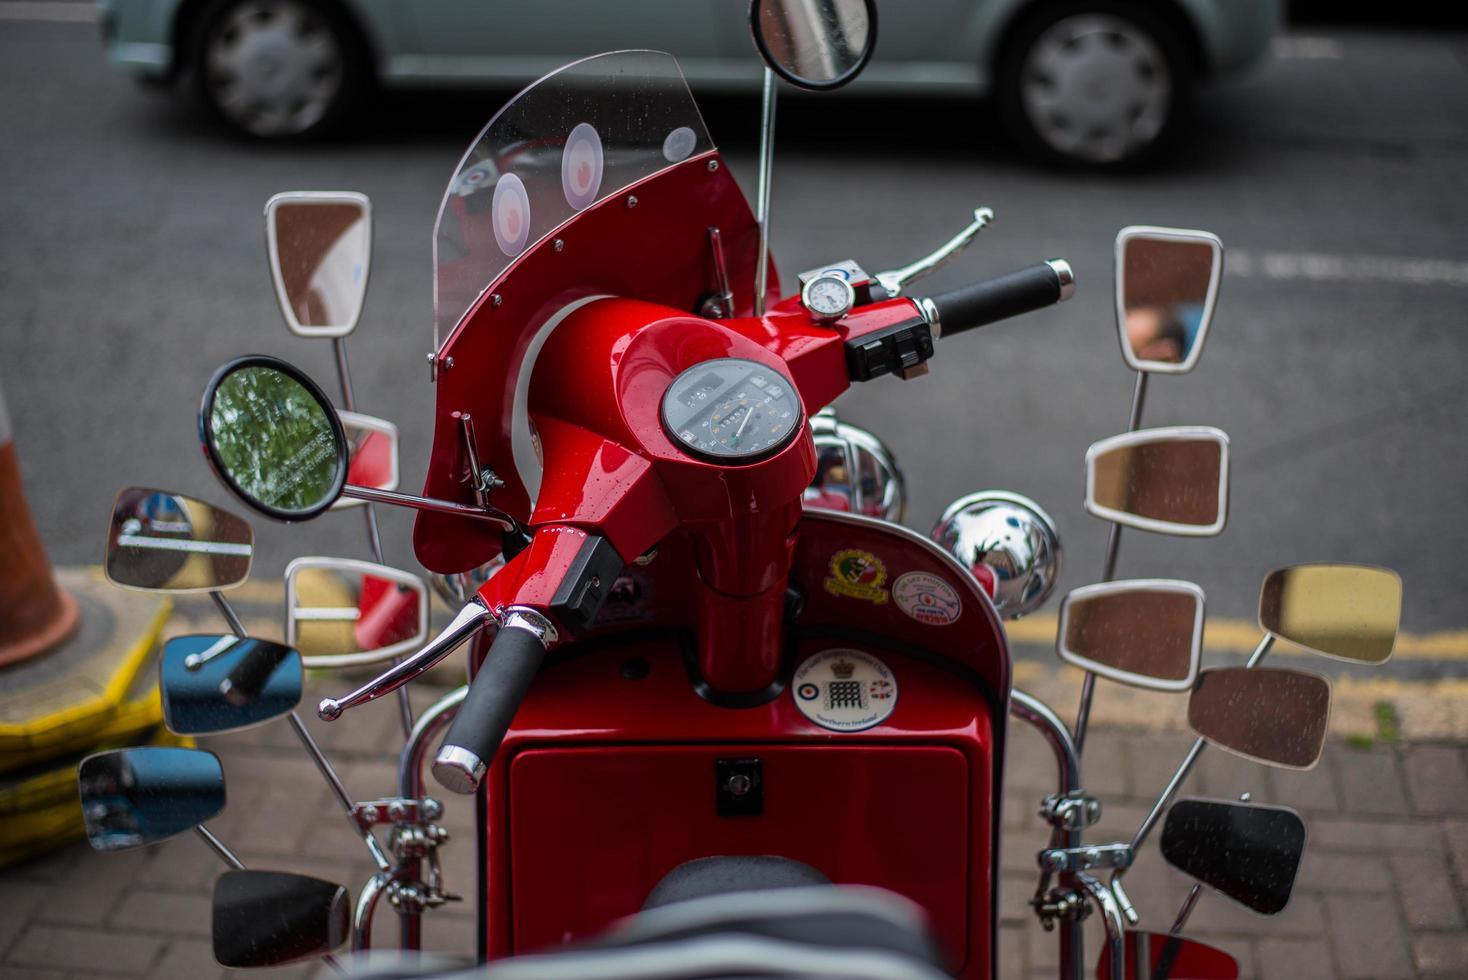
{"x": 927, "y": 598}
{"x": 857, "y": 574}
{"x": 845, "y": 690}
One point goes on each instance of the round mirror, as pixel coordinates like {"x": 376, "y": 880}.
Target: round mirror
{"x": 815, "y": 44}
{"x": 273, "y": 438}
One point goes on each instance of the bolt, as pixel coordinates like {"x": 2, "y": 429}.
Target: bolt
{"x": 448, "y": 363}
{"x": 432, "y": 809}
{"x": 496, "y": 299}
{"x": 560, "y": 246}
{"x": 739, "y": 784}
{"x": 368, "y": 814}
{"x": 632, "y": 200}
{"x": 1245, "y": 797}
{"x": 395, "y": 810}
{"x": 713, "y": 165}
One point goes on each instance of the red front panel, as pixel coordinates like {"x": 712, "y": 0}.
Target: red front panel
{"x": 593, "y": 830}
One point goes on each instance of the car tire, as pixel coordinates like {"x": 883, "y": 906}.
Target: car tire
{"x": 1097, "y": 83}
{"x": 280, "y": 69}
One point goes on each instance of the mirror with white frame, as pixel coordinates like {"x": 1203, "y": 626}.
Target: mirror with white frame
{"x": 1170, "y": 480}
{"x": 1166, "y": 290}
{"x": 320, "y": 249}
{"x": 372, "y": 455}
{"x": 1144, "y": 632}
{"x": 343, "y": 612}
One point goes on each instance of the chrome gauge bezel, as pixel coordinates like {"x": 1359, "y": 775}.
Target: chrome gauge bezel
{"x": 677, "y": 391}
{"x": 824, "y": 317}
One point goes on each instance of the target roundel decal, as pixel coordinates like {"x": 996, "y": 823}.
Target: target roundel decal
{"x": 581, "y": 166}
{"x": 511, "y": 211}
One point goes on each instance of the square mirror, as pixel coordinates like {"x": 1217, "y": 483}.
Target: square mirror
{"x": 1166, "y": 288}
{"x": 342, "y": 612}
{"x": 320, "y": 248}
{"x": 1171, "y": 480}
{"x": 372, "y": 455}
{"x": 1144, "y": 632}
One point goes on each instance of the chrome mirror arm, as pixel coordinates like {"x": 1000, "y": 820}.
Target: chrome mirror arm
{"x": 487, "y": 513}
{"x": 470, "y": 620}
{"x": 896, "y": 280}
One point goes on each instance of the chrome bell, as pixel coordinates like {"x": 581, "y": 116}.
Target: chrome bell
{"x": 458, "y": 588}
{"x": 1008, "y": 543}
{"x": 855, "y": 472}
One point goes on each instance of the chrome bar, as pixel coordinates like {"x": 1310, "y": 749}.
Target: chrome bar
{"x": 339, "y": 790}
{"x": 227, "y": 611}
{"x": 416, "y": 502}
{"x": 1108, "y": 568}
{"x": 415, "y": 752}
{"x": 762, "y": 205}
{"x": 1187, "y": 909}
{"x": 217, "y": 846}
{"x": 721, "y": 272}
{"x": 1111, "y": 918}
{"x": 895, "y": 280}
{"x": 363, "y": 911}
{"x": 469, "y": 620}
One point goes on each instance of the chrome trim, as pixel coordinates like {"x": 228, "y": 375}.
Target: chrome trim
{"x": 469, "y": 620}
{"x": 531, "y": 621}
{"x": 458, "y": 769}
{"x": 929, "y": 310}
{"x": 363, "y": 910}
{"x": 1066, "y": 275}
{"x": 968, "y": 525}
{"x": 895, "y": 280}
{"x": 416, "y": 502}
{"x": 762, "y": 199}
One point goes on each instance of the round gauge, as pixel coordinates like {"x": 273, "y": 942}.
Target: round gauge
{"x": 731, "y": 410}
{"x": 828, "y": 297}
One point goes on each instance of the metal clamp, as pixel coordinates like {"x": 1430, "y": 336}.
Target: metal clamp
{"x": 371, "y": 813}
{"x": 1059, "y": 905}
{"x": 1075, "y": 810}
{"x": 1057, "y": 860}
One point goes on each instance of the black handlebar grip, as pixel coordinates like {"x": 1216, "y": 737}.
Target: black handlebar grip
{"x": 1019, "y": 292}
{"x": 490, "y": 706}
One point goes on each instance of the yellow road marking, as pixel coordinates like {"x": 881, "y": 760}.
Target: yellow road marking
{"x": 1242, "y": 636}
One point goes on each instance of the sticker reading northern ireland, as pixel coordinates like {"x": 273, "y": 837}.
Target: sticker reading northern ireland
{"x": 844, "y": 690}
{"x": 857, "y": 574}
{"x": 927, "y": 598}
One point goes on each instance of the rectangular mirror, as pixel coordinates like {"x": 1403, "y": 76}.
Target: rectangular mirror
{"x": 1166, "y": 287}
{"x": 320, "y": 247}
{"x": 1349, "y": 612}
{"x": 1269, "y": 714}
{"x": 269, "y": 918}
{"x": 341, "y": 612}
{"x": 160, "y": 541}
{"x": 1171, "y": 480}
{"x": 213, "y": 683}
{"x": 133, "y": 797}
{"x": 1144, "y": 632}
{"x": 1164, "y": 956}
{"x": 372, "y": 455}
{"x": 1247, "y": 851}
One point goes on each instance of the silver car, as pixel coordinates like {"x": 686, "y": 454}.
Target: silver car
{"x": 1095, "y": 81}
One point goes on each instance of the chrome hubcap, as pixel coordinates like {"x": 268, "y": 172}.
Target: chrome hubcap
{"x": 1096, "y": 87}
{"x": 273, "y": 67}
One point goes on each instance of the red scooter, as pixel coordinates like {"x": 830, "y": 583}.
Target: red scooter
{"x": 705, "y": 661}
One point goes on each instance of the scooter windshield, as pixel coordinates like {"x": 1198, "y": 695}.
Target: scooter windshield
{"x": 579, "y": 135}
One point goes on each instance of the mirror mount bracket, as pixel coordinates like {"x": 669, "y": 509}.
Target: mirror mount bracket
{"x": 1060, "y": 860}
{"x": 1071, "y": 811}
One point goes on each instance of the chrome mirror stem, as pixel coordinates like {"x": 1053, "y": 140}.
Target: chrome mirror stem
{"x": 1187, "y": 909}
{"x": 373, "y": 495}
{"x": 762, "y": 203}
{"x": 896, "y": 280}
{"x": 470, "y": 620}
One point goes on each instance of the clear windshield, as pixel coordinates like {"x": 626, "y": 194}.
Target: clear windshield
{"x": 577, "y": 136}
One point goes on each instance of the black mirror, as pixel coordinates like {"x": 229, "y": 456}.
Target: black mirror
{"x": 132, "y": 797}
{"x": 273, "y": 438}
{"x": 815, "y": 44}
{"x": 267, "y": 918}
{"x": 1246, "y": 851}
{"x": 160, "y": 541}
{"x": 215, "y": 683}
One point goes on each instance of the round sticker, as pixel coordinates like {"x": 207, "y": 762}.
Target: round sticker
{"x": 679, "y": 143}
{"x": 845, "y": 690}
{"x": 581, "y": 166}
{"x": 474, "y": 178}
{"x": 511, "y": 209}
{"x": 927, "y": 598}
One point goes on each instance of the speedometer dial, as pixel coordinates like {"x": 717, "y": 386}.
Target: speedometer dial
{"x": 731, "y": 410}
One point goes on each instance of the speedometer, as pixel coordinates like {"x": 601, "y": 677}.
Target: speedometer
{"x": 731, "y": 410}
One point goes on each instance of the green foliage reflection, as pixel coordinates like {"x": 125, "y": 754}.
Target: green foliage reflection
{"x": 274, "y": 439}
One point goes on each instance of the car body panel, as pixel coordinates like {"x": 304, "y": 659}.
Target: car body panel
{"x": 951, "y": 47}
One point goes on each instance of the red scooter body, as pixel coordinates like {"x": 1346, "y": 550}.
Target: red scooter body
{"x": 615, "y": 769}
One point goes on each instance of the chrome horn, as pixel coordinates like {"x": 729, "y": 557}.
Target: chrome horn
{"x": 855, "y": 472}
{"x": 1008, "y": 543}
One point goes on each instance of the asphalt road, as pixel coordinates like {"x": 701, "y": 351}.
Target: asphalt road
{"x": 131, "y": 264}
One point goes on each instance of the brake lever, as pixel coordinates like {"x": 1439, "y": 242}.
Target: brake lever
{"x": 471, "y": 619}
{"x": 895, "y": 280}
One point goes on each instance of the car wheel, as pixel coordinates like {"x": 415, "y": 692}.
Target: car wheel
{"x": 277, "y": 69}
{"x": 1097, "y": 83}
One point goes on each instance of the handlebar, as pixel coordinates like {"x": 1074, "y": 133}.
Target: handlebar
{"x": 1018, "y": 292}
{"x": 493, "y": 698}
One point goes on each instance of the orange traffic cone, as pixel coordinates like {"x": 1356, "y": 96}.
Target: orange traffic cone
{"x": 35, "y": 615}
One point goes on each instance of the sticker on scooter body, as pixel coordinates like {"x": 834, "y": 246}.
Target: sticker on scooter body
{"x": 844, "y": 690}
{"x": 927, "y": 598}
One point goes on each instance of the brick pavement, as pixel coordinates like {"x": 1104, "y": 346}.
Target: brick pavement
{"x": 1381, "y": 892}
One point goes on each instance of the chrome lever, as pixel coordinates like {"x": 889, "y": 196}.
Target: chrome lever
{"x": 896, "y": 280}
{"x": 469, "y": 620}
